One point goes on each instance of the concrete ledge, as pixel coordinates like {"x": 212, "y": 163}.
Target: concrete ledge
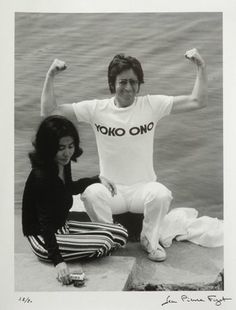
{"x": 188, "y": 267}
{"x": 105, "y": 274}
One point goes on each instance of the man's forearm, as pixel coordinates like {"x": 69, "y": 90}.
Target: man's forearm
{"x": 200, "y": 89}
{"x": 48, "y": 100}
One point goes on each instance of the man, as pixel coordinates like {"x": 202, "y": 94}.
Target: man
{"x": 124, "y": 127}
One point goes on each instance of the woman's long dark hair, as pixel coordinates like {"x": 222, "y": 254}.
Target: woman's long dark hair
{"x": 46, "y": 143}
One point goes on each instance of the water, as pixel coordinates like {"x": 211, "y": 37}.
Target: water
{"x": 188, "y": 150}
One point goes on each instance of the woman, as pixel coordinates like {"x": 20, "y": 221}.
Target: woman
{"x": 47, "y": 200}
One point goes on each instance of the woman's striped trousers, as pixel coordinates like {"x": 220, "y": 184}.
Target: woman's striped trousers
{"x": 77, "y": 240}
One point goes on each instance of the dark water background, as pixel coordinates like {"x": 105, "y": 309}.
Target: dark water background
{"x": 188, "y": 150}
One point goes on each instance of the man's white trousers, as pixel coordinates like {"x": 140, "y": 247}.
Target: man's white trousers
{"x": 152, "y": 199}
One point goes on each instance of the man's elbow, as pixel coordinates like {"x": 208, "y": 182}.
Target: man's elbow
{"x": 47, "y": 112}
{"x": 203, "y": 102}
{"x": 200, "y": 103}
{"x": 44, "y": 113}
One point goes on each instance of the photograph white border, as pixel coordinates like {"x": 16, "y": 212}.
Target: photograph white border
{"x": 107, "y": 300}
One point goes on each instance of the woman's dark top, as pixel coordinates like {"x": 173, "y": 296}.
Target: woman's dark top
{"x": 46, "y": 204}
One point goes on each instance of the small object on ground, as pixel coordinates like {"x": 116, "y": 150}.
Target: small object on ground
{"x": 77, "y": 279}
{"x": 78, "y": 283}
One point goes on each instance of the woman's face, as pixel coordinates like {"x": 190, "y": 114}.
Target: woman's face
{"x": 65, "y": 151}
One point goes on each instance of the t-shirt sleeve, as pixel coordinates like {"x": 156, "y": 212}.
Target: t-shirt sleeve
{"x": 84, "y": 110}
{"x": 161, "y": 105}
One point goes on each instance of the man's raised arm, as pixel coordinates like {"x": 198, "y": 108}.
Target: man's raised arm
{"x": 199, "y": 97}
{"x": 49, "y": 104}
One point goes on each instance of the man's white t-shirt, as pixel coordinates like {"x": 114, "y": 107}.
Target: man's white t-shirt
{"x": 125, "y": 136}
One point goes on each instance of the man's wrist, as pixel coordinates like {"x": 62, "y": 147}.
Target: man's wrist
{"x": 201, "y": 67}
{"x": 50, "y": 74}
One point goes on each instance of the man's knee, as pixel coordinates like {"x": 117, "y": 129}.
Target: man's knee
{"x": 94, "y": 191}
{"x": 158, "y": 192}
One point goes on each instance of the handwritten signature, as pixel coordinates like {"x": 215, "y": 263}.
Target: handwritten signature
{"x": 186, "y": 299}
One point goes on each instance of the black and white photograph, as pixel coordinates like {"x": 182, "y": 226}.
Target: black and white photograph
{"x": 120, "y": 143}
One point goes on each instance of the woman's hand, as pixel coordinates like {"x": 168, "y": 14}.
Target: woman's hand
{"x": 109, "y": 185}
{"x": 63, "y": 273}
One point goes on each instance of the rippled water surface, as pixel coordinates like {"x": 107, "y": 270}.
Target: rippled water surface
{"x": 188, "y": 147}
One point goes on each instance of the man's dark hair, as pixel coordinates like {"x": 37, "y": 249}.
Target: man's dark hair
{"x": 122, "y": 63}
{"x": 46, "y": 143}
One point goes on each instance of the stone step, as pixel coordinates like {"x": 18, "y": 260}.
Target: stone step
{"x": 105, "y": 274}
{"x": 187, "y": 267}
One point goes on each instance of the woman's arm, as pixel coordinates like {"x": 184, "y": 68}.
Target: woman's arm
{"x": 47, "y": 228}
{"x": 79, "y": 186}
{"x": 48, "y": 234}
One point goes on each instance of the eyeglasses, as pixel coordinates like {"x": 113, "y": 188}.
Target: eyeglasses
{"x": 124, "y": 82}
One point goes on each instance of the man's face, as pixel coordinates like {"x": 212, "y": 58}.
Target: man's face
{"x": 127, "y": 86}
